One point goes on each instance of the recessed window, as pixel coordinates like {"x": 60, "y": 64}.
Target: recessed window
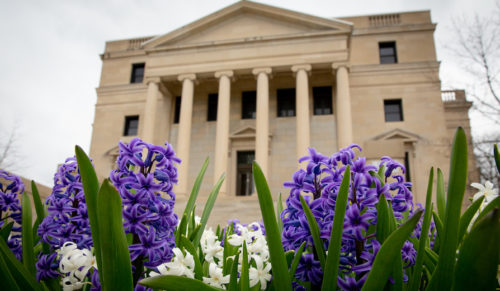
{"x": 387, "y": 52}
{"x": 248, "y": 104}
{"x": 244, "y": 182}
{"x": 131, "y": 125}
{"x": 137, "y": 73}
{"x": 393, "y": 110}
{"x": 212, "y": 106}
{"x": 177, "y": 112}
{"x": 286, "y": 102}
{"x": 322, "y": 100}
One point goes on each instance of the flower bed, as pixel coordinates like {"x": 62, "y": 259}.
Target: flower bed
{"x": 347, "y": 225}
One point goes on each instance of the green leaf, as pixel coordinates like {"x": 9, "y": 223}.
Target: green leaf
{"x": 233, "y": 279}
{"x": 40, "y": 211}
{"x": 389, "y": 251}
{"x": 27, "y": 235}
{"x": 439, "y": 224}
{"x": 416, "y": 276}
{"x": 24, "y": 279}
{"x": 196, "y": 189}
{"x": 5, "y": 231}
{"x": 476, "y": 269}
{"x": 198, "y": 269}
{"x": 333, "y": 258}
{"x": 209, "y": 205}
{"x": 313, "y": 227}
{"x": 171, "y": 282}
{"x": 496, "y": 155}
{"x": 244, "y": 276}
{"x": 8, "y": 281}
{"x": 116, "y": 265}
{"x": 91, "y": 188}
{"x": 281, "y": 277}
{"x": 384, "y": 228}
{"x": 279, "y": 209}
{"x": 296, "y": 259}
{"x": 443, "y": 276}
{"x": 181, "y": 230}
{"x": 440, "y": 197}
{"x": 467, "y": 217}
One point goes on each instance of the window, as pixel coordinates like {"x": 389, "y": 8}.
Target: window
{"x": 177, "y": 112}
{"x": 137, "y": 73}
{"x": 407, "y": 167}
{"x": 248, "y": 104}
{"x": 212, "y": 106}
{"x": 387, "y": 52}
{"x": 393, "y": 110}
{"x": 322, "y": 100}
{"x": 131, "y": 125}
{"x": 286, "y": 102}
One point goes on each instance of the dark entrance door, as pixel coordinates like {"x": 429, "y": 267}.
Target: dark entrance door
{"x": 244, "y": 182}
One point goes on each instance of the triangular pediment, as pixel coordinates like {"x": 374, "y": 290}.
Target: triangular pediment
{"x": 243, "y": 132}
{"x": 247, "y": 21}
{"x": 398, "y": 134}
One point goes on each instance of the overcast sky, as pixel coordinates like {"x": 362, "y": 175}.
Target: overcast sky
{"x": 50, "y": 63}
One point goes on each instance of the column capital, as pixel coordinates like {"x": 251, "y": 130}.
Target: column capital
{"x": 305, "y": 67}
{"x": 266, "y": 71}
{"x": 183, "y": 77}
{"x": 336, "y": 66}
{"x": 228, "y": 74}
{"x": 148, "y": 80}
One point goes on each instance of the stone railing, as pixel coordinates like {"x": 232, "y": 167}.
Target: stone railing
{"x": 453, "y": 96}
{"x": 384, "y": 20}
{"x": 136, "y": 43}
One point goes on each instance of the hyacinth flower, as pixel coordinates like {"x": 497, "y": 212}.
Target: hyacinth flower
{"x": 145, "y": 177}
{"x": 67, "y": 219}
{"x": 11, "y": 187}
{"x": 320, "y": 181}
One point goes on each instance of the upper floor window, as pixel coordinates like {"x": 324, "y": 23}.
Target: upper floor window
{"x": 248, "y": 104}
{"x": 286, "y": 102}
{"x": 137, "y": 73}
{"x": 387, "y": 52}
{"x": 393, "y": 110}
{"x": 177, "y": 112}
{"x": 322, "y": 100}
{"x": 131, "y": 125}
{"x": 212, "y": 106}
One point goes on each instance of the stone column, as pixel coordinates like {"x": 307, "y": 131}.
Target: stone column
{"x": 184, "y": 133}
{"x": 302, "y": 109}
{"x": 222, "y": 130}
{"x": 149, "y": 115}
{"x": 262, "y": 123}
{"x": 343, "y": 104}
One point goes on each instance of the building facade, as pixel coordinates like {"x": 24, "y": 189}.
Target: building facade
{"x": 256, "y": 82}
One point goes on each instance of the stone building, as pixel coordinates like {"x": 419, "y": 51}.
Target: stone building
{"x": 252, "y": 81}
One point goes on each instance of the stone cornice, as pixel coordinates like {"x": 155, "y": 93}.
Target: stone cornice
{"x": 394, "y": 68}
{"x": 124, "y": 88}
{"x": 394, "y": 29}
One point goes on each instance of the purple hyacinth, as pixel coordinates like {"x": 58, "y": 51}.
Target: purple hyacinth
{"x": 47, "y": 267}
{"x": 145, "y": 177}
{"x": 11, "y": 187}
{"x": 67, "y": 218}
{"x": 321, "y": 182}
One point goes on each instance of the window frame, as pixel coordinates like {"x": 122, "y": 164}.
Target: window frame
{"x": 388, "y": 111}
{"x": 283, "y": 103}
{"x": 134, "y": 77}
{"x": 127, "y": 125}
{"x": 388, "y": 58}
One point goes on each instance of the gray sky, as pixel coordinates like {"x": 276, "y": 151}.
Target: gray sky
{"x": 51, "y": 67}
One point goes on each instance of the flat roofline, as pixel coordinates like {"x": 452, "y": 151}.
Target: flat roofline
{"x": 380, "y": 14}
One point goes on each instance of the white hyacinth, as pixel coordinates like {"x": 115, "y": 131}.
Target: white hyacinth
{"x": 182, "y": 265}
{"x": 75, "y": 264}
{"x": 260, "y": 274}
{"x": 216, "y": 279}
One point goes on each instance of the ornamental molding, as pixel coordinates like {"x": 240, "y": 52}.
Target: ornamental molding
{"x": 398, "y": 134}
